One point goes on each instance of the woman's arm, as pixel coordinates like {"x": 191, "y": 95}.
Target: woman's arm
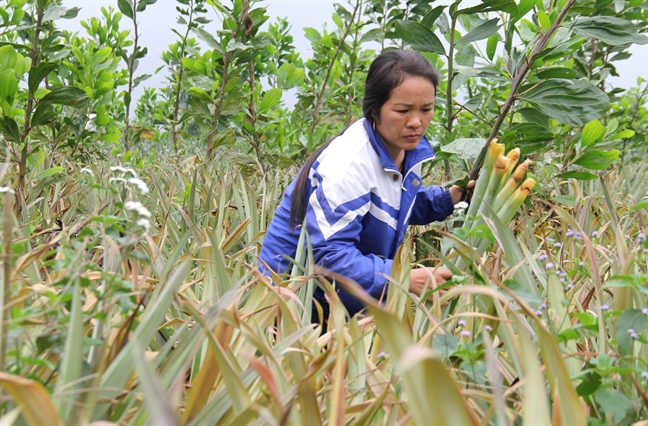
{"x": 435, "y": 203}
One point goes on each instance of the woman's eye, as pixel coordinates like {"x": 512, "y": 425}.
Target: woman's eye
{"x": 402, "y": 111}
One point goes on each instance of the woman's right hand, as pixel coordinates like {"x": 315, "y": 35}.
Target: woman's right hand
{"x": 428, "y": 279}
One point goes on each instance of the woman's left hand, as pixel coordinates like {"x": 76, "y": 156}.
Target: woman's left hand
{"x": 456, "y": 192}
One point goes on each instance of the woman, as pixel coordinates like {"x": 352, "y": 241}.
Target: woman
{"x": 358, "y": 193}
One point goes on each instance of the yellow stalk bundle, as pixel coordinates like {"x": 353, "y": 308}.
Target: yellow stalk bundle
{"x": 511, "y": 206}
{"x": 497, "y": 174}
{"x": 511, "y": 185}
{"x": 497, "y": 191}
{"x": 494, "y": 151}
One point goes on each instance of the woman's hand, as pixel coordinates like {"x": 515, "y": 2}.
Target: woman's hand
{"x": 419, "y": 277}
{"x": 456, "y": 192}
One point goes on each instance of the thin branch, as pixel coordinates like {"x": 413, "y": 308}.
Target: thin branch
{"x": 518, "y": 79}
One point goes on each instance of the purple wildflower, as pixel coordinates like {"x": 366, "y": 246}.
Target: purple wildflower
{"x": 543, "y": 257}
{"x": 562, "y": 279}
{"x": 465, "y": 333}
{"x": 641, "y": 237}
{"x": 549, "y": 265}
{"x": 558, "y": 244}
{"x": 570, "y": 286}
{"x": 644, "y": 375}
{"x": 605, "y": 307}
{"x": 570, "y": 233}
{"x": 578, "y": 236}
{"x": 488, "y": 328}
{"x": 644, "y": 311}
{"x": 461, "y": 322}
{"x": 594, "y": 233}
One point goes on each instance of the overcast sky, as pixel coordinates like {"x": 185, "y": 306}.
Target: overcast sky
{"x": 159, "y": 18}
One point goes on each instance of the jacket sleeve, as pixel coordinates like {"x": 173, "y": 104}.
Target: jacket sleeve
{"x": 334, "y": 222}
{"x": 432, "y": 204}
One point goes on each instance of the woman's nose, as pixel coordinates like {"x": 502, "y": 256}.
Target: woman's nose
{"x": 414, "y": 122}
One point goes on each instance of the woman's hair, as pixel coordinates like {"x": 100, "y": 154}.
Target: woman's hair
{"x": 386, "y": 73}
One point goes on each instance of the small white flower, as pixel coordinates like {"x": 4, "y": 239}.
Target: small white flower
{"x": 138, "y": 207}
{"x": 141, "y": 185}
{"x": 7, "y": 189}
{"x": 144, "y": 223}
{"x": 92, "y": 116}
{"x": 87, "y": 170}
{"x": 132, "y": 205}
{"x": 124, "y": 170}
{"x": 461, "y": 205}
{"x": 118, "y": 179}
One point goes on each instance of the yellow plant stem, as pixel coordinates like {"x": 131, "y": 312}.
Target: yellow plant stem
{"x": 511, "y": 185}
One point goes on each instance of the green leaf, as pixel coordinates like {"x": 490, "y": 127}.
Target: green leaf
{"x": 445, "y": 345}
{"x": 430, "y": 18}
{"x": 624, "y": 134}
{"x": 375, "y": 34}
{"x": 49, "y": 172}
{"x": 126, "y": 7}
{"x": 55, "y": 11}
{"x": 609, "y": 29}
{"x": 533, "y": 115}
{"x": 141, "y": 4}
{"x": 634, "y": 320}
{"x": 8, "y": 58}
{"x": 289, "y": 76}
{"x": 481, "y": 32}
{"x": 209, "y": 39}
{"x": 612, "y": 402}
{"x": 588, "y": 386}
{"x": 100, "y": 55}
{"x": 312, "y": 35}
{"x": 557, "y": 72}
{"x": 641, "y": 205}
{"x": 44, "y": 114}
{"x": 465, "y": 148}
{"x": 570, "y": 102}
{"x": 200, "y": 95}
{"x": 9, "y": 129}
{"x": 529, "y": 137}
{"x": 508, "y": 6}
{"x": 8, "y": 88}
{"x": 38, "y": 73}
{"x": 72, "y": 362}
{"x": 419, "y": 37}
{"x": 597, "y": 159}
{"x": 66, "y": 95}
{"x": 491, "y": 46}
{"x": 592, "y": 132}
{"x": 270, "y": 99}
{"x": 524, "y": 7}
{"x": 577, "y": 175}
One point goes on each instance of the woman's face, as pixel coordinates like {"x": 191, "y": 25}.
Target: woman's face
{"x": 404, "y": 118}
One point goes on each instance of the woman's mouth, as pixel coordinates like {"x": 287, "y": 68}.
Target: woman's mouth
{"x": 412, "y": 138}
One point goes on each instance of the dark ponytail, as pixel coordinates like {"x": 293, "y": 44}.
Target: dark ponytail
{"x": 299, "y": 202}
{"x": 386, "y": 73}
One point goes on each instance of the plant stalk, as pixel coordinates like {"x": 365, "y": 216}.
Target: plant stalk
{"x": 518, "y": 79}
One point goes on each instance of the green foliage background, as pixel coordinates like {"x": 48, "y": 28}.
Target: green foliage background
{"x": 130, "y": 229}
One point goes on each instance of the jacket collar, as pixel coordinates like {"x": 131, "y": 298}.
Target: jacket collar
{"x": 422, "y": 152}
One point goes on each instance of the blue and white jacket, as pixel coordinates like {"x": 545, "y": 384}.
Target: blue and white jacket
{"x": 359, "y": 207}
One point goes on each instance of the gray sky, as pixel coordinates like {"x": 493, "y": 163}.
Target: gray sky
{"x": 156, "y": 21}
